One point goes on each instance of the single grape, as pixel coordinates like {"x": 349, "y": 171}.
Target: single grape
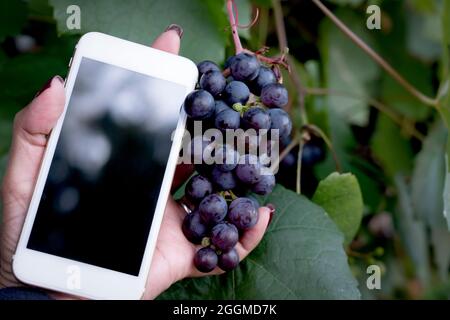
{"x": 236, "y": 92}
{"x": 205, "y": 260}
{"x": 280, "y": 121}
{"x": 197, "y": 188}
{"x": 223, "y": 180}
{"x": 199, "y": 105}
{"x": 214, "y": 82}
{"x": 266, "y": 76}
{"x": 194, "y": 228}
{"x": 228, "y": 62}
{"x": 243, "y": 213}
{"x": 245, "y": 67}
{"x": 248, "y": 169}
{"x": 289, "y": 161}
{"x": 229, "y": 260}
{"x": 256, "y": 118}
{"x": 221, "y": 106}
{"x": 224, "y": 236}
{"x": 255, "y": 201}
{"x": 213, "y": 209}
{"x": 266, "y": 182}
{"x": 274, "y": 95}
{"x": 228, "y": 119}
{"x": 205, "y": 66}
{"x": 312, "y": 154}
{"x": 228, "y": 158}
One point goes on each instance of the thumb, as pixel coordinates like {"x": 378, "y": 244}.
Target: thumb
{"x": 32, "y": 125}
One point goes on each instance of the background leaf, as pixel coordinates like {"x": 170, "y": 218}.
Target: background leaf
{"x": 13, "y": 16}
{"x": 300, "y": 257}
{"x": 340, "y": 196}
{"x": 142, "y": 20}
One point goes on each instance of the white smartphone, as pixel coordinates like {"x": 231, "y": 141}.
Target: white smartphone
{"x": 97, "y": 207}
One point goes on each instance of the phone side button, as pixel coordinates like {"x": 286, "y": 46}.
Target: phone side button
{"x": 70, "y": 61}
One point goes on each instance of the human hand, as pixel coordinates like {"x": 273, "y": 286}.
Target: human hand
{"x": 174, "y": 254}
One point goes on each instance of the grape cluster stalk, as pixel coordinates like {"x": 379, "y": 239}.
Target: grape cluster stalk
{"x": 248, "y": 94}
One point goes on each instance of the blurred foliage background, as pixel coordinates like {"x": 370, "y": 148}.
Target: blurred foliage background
{"x": 393, "y": 143}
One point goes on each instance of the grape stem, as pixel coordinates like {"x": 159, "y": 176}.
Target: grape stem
{"x": 377, "y": 58}
{"x": 234, "y": 26}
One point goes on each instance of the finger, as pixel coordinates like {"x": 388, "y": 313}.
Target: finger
{"x": 32, "y": 125}
{"x": 252, "y": 237}
{"x": 169, "y": 40}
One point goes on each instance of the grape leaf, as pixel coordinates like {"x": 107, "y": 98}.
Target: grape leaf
{"x": 428, "y": 178}
{"x": 300, "y": 257}
{"x": 13, "y": 16}
{"x": 391, "y": 149}
{"x": 347, "y": 68}
{"x": 340, "y": 196}
{"x": 203, "y": 21}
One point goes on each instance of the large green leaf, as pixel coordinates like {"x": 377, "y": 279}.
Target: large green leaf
{"x": 300, "y": 257}
{"x": 347, "y": 68}
{"x": 340, "y": 196}
{"x": 13, "y": 16}
{"x": 203, "y": 21}
{"x": 428, "y": 178}
{"x": 391, "y": 150}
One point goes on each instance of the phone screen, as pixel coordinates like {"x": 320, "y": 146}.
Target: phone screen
{"x": 104, "y": 181}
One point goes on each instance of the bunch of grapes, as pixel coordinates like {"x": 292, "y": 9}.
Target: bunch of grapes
{"x": 246, "y": 95}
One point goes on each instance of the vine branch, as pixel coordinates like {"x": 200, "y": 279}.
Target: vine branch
{"x": 377, "y": 58}
{"x": 234, "y": 26}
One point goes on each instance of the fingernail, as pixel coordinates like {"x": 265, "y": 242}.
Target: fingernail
{"x": 176, "y": 28}
{"x": 48, "y": 84}
{"x": 272, "y": 212}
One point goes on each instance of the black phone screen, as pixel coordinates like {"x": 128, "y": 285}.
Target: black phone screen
{"x": 104, "y": 181}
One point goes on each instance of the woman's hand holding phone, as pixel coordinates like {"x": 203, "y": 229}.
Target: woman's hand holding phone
{"x": 173, "y": 256}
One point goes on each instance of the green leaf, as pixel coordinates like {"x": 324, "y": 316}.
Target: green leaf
{"x": 13, "y": 16}
{"x": 300, "y": 257}
{"x": 391, "y": 149}
{"x": 347, "y": 68}
{"x": 203, "y": 21}
{"x": 412, "y": 232}
{"x": 340, "y": 196}
{"x": 428, "y": 178}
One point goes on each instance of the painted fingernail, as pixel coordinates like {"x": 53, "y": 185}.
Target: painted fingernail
{"x": 176, "y": 28}
{"x": 48, "y": 84}
{"x": 272, "y": 212}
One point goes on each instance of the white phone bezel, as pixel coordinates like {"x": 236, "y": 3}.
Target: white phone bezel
{"x": 52, "y": 272}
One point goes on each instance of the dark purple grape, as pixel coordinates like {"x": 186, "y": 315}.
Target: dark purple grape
{"x": 228, "y": 119}
{"x": 289, "y": 161}
{"x": 265, "y": 77}
{"x": 274, "y": 95}
{"x": 280, "y": 121}
{"x": 245, "y": 67}
{"x": 255, "y": 201}
{"x": 194, "y": 228}
{"x": 205, "y": 260}
{"x": 213, "y": 82}
{"x": 256, "y": 118}
{"x": 224, "y": 236}
{"x": 228, "y": 62}
{"x": 266, "y": 182}
{"x": 206, "y": 66}
{"x": 223, "y": 180}
{"x": 243, "y": 213}
{"x": 199, "y": 105}
{"x": 312, "y": 154}
{"x": 213, "y": 209}
{"x": 248, "y": 169}
{"x": 236, "y": 92}
{"x": 229, "y": 260}
{"x": 229, "y": 158}
{"x": 197, "y": 188}
{"x": 221, "y": 106}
